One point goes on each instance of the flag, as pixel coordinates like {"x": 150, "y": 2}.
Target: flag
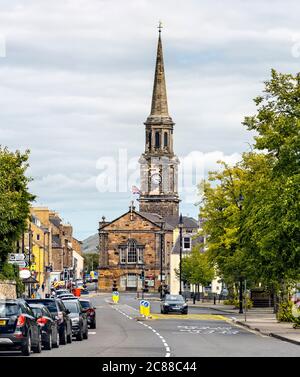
{"x": 135, "y": 190}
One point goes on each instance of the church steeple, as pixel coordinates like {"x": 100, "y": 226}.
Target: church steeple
{"x": 159, "y": 164}
{"x": 159, "y": 97}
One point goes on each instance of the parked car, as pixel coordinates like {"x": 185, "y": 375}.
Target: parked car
{"x": 90, "y": 310}
{"x": 60, "y": 292}
{"x": 174, "y": 303}
{"x": 79, "y": 319}
{"x": 57, "y": 308}
{"x": 48, "y": 324}
{"x": 67, "y": 295}
{"x": 19, "y": 329}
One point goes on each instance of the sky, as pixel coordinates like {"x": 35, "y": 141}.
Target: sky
{"x": 76, "y": 84}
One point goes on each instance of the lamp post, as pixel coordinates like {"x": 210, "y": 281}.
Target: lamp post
{"x": 240, "y": 205}
{"x": 180, "y": 252}
{"x": 161, "y": 259}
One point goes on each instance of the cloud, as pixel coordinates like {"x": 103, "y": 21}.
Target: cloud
{"x": 77, "y": 77}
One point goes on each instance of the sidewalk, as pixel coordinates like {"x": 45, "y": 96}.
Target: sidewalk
{"x": 262, "y": 320}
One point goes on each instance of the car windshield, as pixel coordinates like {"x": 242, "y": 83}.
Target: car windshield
{"x": 72, "y": 306}
{"x": 9, "y": 309}
{"x": 85, "y": 304}
{"x": 174, "y": 298}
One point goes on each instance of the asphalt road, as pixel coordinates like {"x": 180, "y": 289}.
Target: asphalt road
{"x": 201, "y": 333}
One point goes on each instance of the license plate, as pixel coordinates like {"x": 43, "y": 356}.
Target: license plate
{"x": 2, "y": 322}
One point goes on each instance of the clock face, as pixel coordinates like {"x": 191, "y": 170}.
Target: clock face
{"x": 156, "y": 178}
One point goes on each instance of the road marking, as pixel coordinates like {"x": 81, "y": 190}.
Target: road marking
{"x": 167, "y": 348}
{"x": 92, "y": 333}
{"x": 203, "y": 317}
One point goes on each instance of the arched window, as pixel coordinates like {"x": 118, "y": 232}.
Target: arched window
{"x": 165, "y": 139}
{"x": 131, "y": 253}
{"x": 157, "y": 139}
{"x": 149, "y": 140}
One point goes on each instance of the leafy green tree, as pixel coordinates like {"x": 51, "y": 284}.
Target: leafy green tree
{"x": 272, "y": 214}
{"x": 196, "y": 268}
{"x": 91, "y": 261}
{"x": 15, "y": 199}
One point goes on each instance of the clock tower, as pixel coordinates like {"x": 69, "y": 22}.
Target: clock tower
{"x": 159, "y": 164}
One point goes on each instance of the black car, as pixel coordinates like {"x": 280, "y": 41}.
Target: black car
{"x": 79, "y": 319}
{"x": 57, "y": 308}
{"x": 90, "y": 310}
{"x": 174, "y": 303}
{"x": 19, "y": 329}
{"x": 48, "y": 324}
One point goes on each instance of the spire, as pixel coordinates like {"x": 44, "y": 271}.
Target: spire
{"x": 159, "y": 97}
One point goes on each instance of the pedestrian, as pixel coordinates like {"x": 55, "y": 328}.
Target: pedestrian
{"x": 43, "y": 287}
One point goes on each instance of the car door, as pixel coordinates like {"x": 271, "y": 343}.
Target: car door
{"x": 34, "y": 327}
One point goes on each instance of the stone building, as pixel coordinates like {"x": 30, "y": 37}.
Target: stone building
{"x": 138, "y": 243}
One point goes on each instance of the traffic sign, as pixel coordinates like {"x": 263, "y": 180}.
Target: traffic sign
{"x": 115, "y": 293}
{"x": 20, "y": 263}
{"x": 16, "y": 257}
{"x": 24, "y": 274}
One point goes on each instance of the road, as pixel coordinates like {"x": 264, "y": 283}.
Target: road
{"x": 200, "y": 333}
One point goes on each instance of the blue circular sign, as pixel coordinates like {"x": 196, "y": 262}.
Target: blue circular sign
{"x": 116, "y": 293}
{"x": 146, "y": 304}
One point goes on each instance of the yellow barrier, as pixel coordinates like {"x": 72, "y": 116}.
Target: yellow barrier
{"x": 146, "y": 309}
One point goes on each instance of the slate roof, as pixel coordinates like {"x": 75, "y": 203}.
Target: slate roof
{"x": 56, "y": 221}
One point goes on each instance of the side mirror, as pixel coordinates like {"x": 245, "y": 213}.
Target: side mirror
{"x": 68, "y": 311}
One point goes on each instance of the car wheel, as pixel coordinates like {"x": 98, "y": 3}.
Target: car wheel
{"x": 48, "y": 344}
{"x": 79, "y": 336}
{"x": 26, "y": 348}
{"x": 86, "y": 333}
{"x": 38, "y": 347}
{"x": 93, "y": 324}
{"x": 69, "y": 337}
{"x": 63, "y": 336}
{"x": 56, "y": 344}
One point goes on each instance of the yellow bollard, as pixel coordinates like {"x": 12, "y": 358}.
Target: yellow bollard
{"x": 142, "y": 307}
{"x": 115, "y": 297}
{"x": 146, "y": 308}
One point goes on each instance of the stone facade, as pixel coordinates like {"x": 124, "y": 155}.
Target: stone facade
{"x": 132, "y": 233}
{"x": 8, "y": 289}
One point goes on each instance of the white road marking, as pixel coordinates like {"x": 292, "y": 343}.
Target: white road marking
{"x": 92, "y": 333}
{"x": 168, "y": 354}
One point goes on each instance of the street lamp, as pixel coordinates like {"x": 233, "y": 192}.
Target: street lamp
{"x": 180, "y": 252}
{"x": 161, "y": 259}
{"x": 240, "y": 205}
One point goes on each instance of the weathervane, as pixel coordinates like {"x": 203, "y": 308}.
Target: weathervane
{"x": 160, "y": 26}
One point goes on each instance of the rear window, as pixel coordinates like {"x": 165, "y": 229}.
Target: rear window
{"x": 72, "y": 306}
{"x": 37, "y": 312}
{"x": 9, "y": 309}
{"x": 85, "y": 304}
{"x": 51, "y": 305}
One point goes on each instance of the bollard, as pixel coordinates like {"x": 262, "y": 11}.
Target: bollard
{"x": 142, "y": 307}
{"x": 214, "y": 299}
{"x": 115, "y": 297}
{"x": 146, "y": 309}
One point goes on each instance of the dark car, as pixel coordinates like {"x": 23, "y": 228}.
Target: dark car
{"x": 19, "y": 329}
{"x": 48, "y": 324}
{"x": 174, "y": 303}
{"x": 79, "y": 319}
{"x": 57, "y": 308}
{"x": 90, "y": 310}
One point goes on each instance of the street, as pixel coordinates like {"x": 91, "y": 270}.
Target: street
{"x": 200, "y": 333}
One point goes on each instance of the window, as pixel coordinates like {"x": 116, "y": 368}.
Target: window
{"x": 165, "y": 139}
{"x": 186, "y": 243}
{"x": 149, "y": 140}
{"x": 123, "y": 255}
{"x": 132, "y": 252}
{"x": 157, "y": 139}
